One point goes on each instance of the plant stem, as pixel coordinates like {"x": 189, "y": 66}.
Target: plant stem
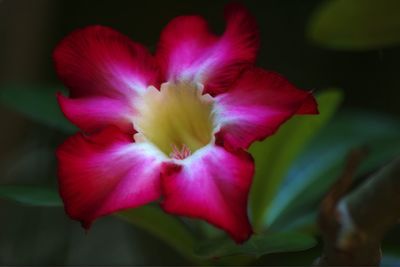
{"x": 354, "y": 224}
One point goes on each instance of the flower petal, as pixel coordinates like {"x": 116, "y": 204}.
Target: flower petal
{"x": 257, "y": 105}
{"x": 93, "y": 113}
{"x": 103, "y": 70}
{"x": 98, "y": 60}
{"x": 106, "y": 172}
{"x": 309, "y": 106}
{"x": 188, "y": 51}
{"x": 212, "y": 184}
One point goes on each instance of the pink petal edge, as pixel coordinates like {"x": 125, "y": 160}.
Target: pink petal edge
{"x": 257, "y": 105}
{"x": 93, "y": 113}
{"x": 213, "y": 184}
{"x": 106, "y": 172}
{"x": 102, "y": 66}
{"x": 189, "y": 51}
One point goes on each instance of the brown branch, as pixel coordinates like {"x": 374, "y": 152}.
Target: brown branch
{"x": 353, "y": 225}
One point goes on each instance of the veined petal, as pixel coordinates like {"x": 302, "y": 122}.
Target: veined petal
{"x": 189, "y": 51}
{"x": 212, "y": 184}
{"x": 91, "y": 113}
{"x": 257, "y": 105}
{"x": 106, "y": 172}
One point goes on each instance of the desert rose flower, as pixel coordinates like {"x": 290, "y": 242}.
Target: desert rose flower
{"x": 173, "y": 126}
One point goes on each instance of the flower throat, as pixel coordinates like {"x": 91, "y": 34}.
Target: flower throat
{"x": 177, "y": 119}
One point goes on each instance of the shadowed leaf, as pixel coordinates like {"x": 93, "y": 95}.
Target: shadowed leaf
{"x": 31, "y": 195}
{"x": 37, "y": 103}
{"x": 356, "y": 24}
{"x": 256, "y": 246}
{"x": 322, "y": 161}
{"x": 275, "y": 155}
{"x": 164, "y": 226}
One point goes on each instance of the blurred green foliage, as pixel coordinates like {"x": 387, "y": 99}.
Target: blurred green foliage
{"x": 356, "y": 24}
{"x": 31, "y": 195}
{"x": 166, "y": 227}
{"x": 275, "y": 155}
{"x": 321, "y": 163}
{"x": 38, "y": 103}
{"x": 256, "y": 246}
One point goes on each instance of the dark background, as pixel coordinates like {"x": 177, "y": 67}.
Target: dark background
{"x": 29, "y": 31}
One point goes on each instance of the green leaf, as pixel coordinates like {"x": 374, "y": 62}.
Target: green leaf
{"x": 274, "y": 156}
{"x": 37, "y": 103}
{"x": 390, "y": 260}
{"x": 356, "y": 24}
{"x": 31, "y": 195}
{"x": 150, "y": 218}
{"x": 256, "y": 246}
{"x": 391, "y": 249}
{"x": 166, "y": 227}
{"x": 322, "y": 161}
{"x": 304, "y": 223}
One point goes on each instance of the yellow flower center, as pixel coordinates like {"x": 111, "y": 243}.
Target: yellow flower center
{"x": 177, "y": 119}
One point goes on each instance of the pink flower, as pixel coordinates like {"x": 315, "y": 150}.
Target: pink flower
{"x": 174, "y": 126}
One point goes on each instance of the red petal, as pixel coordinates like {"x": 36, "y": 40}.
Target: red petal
{"x": 98, "y": 63}
{"x": 189, "y": 51}
{"x": 93, "y": 113}
{"x": 106, "y": 172}
{"x": 98, "y": 60}
{"x": 213, "y": 184}
{"x": 257, "y": 105}
{"x": 309, "y": 106}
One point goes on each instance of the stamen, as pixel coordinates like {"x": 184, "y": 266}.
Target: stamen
{"x": 182, "y": 153}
